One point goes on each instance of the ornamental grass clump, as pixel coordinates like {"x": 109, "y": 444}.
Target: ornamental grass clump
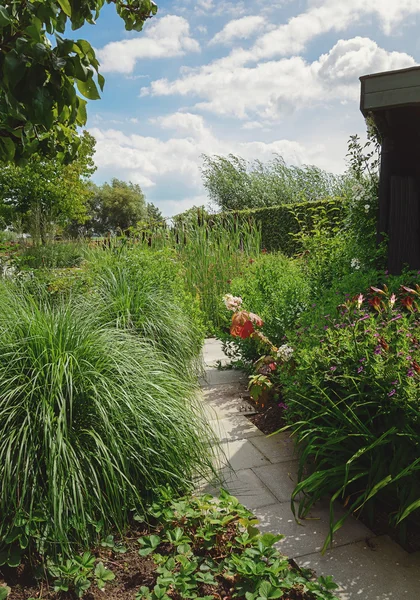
{"x": 129, "y": 301}
{"x": 93, "y": 420}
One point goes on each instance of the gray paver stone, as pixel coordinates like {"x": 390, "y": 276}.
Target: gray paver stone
{"x": 235, "y": 427}
{"x": 277, "y": 448}
{"x": 382, "y": 572}
{"x": 308, "y": 536}
{"x": 241, "y": 454}
{"x": 280, "y": 478}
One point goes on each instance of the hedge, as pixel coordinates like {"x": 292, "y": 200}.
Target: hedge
{"x": 279, "y": 224}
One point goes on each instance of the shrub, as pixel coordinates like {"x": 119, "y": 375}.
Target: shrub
{"x": 280, "y": 224}
{"x": 274, "y": 287}
{"x": 352, "y": 397}
{"x": 92, "y": 420}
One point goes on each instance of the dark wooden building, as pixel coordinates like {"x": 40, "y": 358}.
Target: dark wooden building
{"x": 392, "y": 100}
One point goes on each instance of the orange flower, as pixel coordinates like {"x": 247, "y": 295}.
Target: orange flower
{"x": 242, "y": 324}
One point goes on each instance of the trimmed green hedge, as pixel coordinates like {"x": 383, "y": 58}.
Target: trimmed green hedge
{"x": 279, "y": 224}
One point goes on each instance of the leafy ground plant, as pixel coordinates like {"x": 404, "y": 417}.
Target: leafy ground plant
{"x": 200, "y": 548}
{"x": 206, "y": 548}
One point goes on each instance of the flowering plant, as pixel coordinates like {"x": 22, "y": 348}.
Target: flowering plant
{"x": 353, "y": 402}
{"x": 262, "y": 384}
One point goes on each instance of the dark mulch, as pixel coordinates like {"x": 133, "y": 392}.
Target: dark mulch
{"x": 268, "y": 418}
{"x": 131, "y": 572}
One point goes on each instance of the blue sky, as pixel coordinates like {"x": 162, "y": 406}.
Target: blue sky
{"x": 253, "y": 78}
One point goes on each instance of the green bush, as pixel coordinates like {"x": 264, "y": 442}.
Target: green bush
{"x": 352, "y": 397}
{"x": 274, "y": 287}
{"x": 92, "y": 420}
{"x": 280, "y": 224}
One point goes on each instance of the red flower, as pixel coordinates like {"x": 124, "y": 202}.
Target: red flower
{"x": 407, "y": 302}
{"x": 377, "y": 290}
{"x": 242, "y": 324}
{"x": 383, "y": 344}
{"x": 375, "y": 302}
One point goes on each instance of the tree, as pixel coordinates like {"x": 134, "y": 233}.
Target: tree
{"x": 117, "y": 206}
{"x": 153, "y": 214}
{"x": 45, "y": 193}
{"x": 235, "y": 184}
{"x": 39, "y": 106}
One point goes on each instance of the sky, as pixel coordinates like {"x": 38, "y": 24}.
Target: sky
{"x": 251, "y": 78}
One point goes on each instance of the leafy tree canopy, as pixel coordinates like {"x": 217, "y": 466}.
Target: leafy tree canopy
{"x": 235, "y": 184}
{"x": 44, "y": 193}
{"x": 153, "y": 215}
{"x": 117, "y": 206}
{"x": 43, "y": 85}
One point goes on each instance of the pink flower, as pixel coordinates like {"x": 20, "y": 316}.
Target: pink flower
{"x": 392, "y": 300}
{"x": 360, "y": 299}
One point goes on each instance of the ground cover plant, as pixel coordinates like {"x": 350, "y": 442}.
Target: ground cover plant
{"x": 93, "y": 419}
{"x": 183, "y": 547}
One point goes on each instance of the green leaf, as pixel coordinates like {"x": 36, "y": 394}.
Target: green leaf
{"x": 88, "y": 89}
{"x": 4, "y": 17}
{"x": 103, "y": 575}
{"x": 101, "y": 81}
{"x": 4, "y": 592}
{"x": 269, "y": 539}
{"x": 14, "y": 68}
{"x": 414, "y": 506}
{"x": 14, "y": 558}
{"x": 65, "y": 6}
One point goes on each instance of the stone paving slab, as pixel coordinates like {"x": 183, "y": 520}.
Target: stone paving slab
{"x": 277, "y": 448}
{"x": 262, "y": 475}
{"x": 241, "y": 454}
{"x": 280, "y": 478}
{"x": 213, "y": 354}
{"x": 245, "y": 486}
{"x": 308, "y": 536}
{"x": 382, "y": 572}
{"x": 214, "y": 376}
{"x": 223, "y": 400}
{"x": 235, "y": 427}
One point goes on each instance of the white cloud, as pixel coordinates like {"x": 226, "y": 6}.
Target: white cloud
{"x": 166, "y": 37}
{"x": 239, "y": 29}
{"x": 323, "y": 16}
{"x": 174, "y": 207}
{"x": 276, "y": 88}
{"x": 151, "y": 161}
{"x": 252, "y": 125}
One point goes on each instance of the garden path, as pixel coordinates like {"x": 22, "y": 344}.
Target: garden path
{"x": 262, "y": 471}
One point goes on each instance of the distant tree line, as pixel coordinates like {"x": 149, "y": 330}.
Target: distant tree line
{"x": 45, "y": 198}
